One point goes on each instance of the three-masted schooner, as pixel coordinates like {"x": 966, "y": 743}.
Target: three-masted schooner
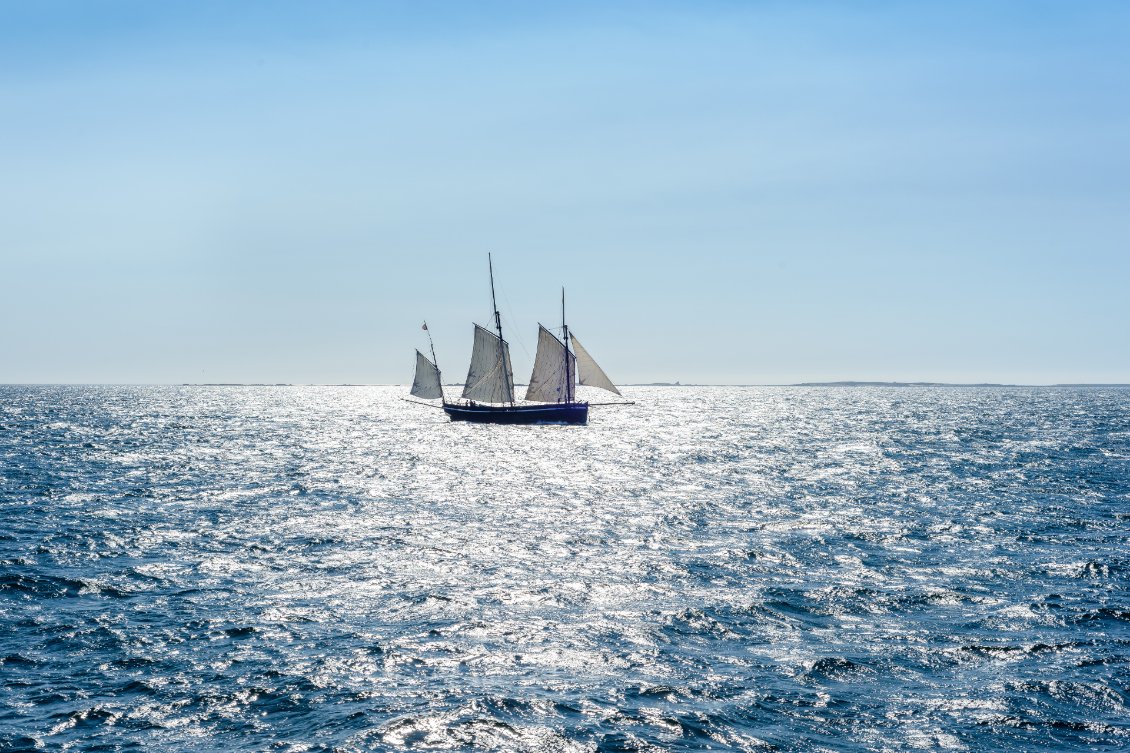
{"x": 488, "y": 394}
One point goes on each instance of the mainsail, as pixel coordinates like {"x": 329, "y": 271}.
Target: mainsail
{"x": 426, "y": 384}
{"x": 490, "y": 377}
{"x": 550, "y": 381}
{"x": 588, "y": 373}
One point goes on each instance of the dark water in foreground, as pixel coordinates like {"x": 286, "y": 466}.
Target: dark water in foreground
{"x": 308, "y": 569}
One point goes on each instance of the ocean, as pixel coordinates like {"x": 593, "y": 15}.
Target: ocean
{"x": 713, "y": 568}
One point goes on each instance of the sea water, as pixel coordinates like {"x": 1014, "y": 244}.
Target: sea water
{"x": 715, "y": 568}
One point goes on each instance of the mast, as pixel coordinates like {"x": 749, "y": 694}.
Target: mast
{"x": 432, "y": 345}
{"x": 498, "y": 326}
{"x": 565, "y": 333}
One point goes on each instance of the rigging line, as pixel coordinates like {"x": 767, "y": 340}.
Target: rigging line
{"x": 513, "y": 328}
{"x": 417, "y": 402}
{"x": 493, "y": 371}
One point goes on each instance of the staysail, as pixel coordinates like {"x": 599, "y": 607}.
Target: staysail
{"x": 588, "y": 373}
{"x": 490, "y": 378}
{"x": 426, "y": 384}
{"x": 552, "y": 373}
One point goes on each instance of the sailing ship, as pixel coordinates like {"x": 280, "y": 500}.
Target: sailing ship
{"x": 488, "y": 394}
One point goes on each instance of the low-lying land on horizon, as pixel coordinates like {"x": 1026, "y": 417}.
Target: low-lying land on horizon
{"x": 522, "y": 384}
{"x": 847, "y": 383}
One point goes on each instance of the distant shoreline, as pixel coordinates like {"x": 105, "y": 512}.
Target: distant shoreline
{"x": 949, "y": 384}
{"x": 1116, "y": 385}
{"x": 888, "y": 384}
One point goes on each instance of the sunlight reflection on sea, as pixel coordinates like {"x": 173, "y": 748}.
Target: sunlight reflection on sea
{"x": 331, "y": 568}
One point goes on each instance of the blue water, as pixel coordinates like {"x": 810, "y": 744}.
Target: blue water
{"x": 811, "y": 569}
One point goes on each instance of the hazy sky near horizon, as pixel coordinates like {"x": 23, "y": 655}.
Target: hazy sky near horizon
{"x": 732, "y": 192}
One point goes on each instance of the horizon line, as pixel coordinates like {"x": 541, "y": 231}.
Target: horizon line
{"x": 836, "y": 383}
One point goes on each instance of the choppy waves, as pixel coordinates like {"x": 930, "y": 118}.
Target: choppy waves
{"x": 309, "y": 569}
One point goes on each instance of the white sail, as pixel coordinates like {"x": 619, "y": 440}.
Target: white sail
{"x": 552, "y": 373}
{"x": 426, "y": 384}
{"x": 490, "y": 378}
{"x": 588, "y": 373}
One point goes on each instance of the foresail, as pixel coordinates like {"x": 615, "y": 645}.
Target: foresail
{"x": 490, "y": 378}
{"x": 426, "y": 384}
{"x": 550, "y": 380}
{"x": 588, "y": 373}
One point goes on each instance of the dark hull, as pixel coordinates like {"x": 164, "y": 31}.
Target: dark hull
{"x": 571, "y": 413}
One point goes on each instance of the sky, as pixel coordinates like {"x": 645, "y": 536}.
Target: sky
{"x": 730, "y": 192}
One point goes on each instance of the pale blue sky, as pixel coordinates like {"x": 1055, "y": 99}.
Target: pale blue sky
{"x": 755, "y": 192}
